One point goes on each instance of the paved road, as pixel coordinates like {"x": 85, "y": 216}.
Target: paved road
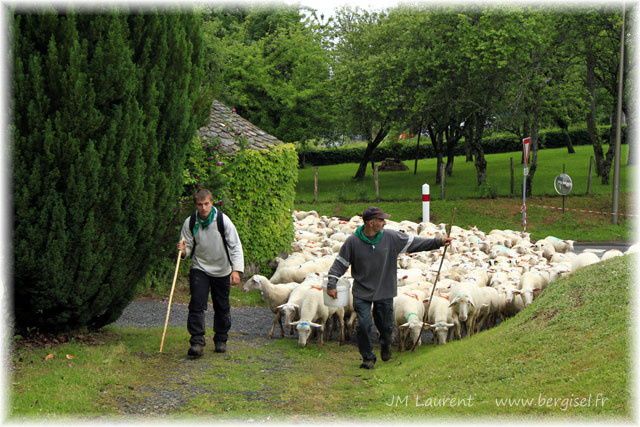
{"x": 600, "y": 247}
{"x": 146, "y": 313}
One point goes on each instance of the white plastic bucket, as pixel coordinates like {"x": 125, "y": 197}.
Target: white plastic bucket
{"x": 343, "y": 287}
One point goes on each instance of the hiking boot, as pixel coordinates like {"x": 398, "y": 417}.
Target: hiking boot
{"x": 195, "y": 351}
{"x": 385, "y": 353}
{"x": 367, "y": 364}
{"x": 221, "y": 347}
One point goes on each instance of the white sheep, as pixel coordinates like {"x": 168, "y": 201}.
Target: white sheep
{"x": 408, "y": 310}
{"x": 611, "y": 253}
{"x": 440, "y": 319}
{"x": 583, "y": 259}
{"x": 291, "y": 309}
{"x": 531, "y": 284}
{"x": 463, "y": 307}
{"x": 314, "y": 314}
{"x": 273, "y": 295}
{"x": 560, "y": 245}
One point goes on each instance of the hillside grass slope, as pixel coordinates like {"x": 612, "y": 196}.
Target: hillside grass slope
{"x": 566, "y": 355}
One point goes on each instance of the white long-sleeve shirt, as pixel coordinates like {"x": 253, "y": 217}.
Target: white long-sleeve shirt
{"x": 210, "y": 255}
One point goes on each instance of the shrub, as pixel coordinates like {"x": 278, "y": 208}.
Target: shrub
{"x": 487, "y": 190}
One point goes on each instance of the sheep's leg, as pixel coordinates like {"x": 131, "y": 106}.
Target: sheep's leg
{"x": 280, "y": 324}
{"x": 273, "y": 326}
{"x": 321, "y": 335}
{"x": 341, "y": 319}
{"x": 458, "y": 332}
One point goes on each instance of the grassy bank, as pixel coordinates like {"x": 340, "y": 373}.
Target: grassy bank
{"x": 570, "y": 346}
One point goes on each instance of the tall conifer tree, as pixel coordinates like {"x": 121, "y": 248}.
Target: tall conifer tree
{"x": 104, "y": 106}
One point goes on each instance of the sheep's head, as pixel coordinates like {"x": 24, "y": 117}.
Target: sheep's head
{"x": 527, "y": 296}
{"x": 413, "y": 327}
{"x": 290, "y": 310}
{"x": 440, "y": 331}
{"x": 304, "y": 330}
{"x": 462, "y": 302}
{"x": 253, "y": 283}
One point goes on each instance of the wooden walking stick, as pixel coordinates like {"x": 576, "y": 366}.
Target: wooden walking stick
{"x": 173, "y": 286}
{"x": 425, "y": 317}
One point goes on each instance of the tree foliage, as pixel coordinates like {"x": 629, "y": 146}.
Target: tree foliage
{"x": 104, "y": 106}
{"x": 273, "y": 69}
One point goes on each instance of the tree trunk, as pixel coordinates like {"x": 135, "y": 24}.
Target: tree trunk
{"x": 533, "y": 163}
{"x": 454, "y": 134}
{"x": 631, "y": 159}
{"x": 591, "y": 114}
{"x": 368, "y": 153}
{"x": 436, "y": 137}
{"x": 564, "y": 126}
{"x": 415, "y": 165}
{"x": 468, "y": 154}
{"x": 473, "y": 130}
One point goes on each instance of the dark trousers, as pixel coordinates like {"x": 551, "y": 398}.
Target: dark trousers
{"x": 200, "y": 283}
{"x": 383, "y": 319}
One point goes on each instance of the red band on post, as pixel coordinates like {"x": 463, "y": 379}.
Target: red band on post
{"x": 426, "y": 198}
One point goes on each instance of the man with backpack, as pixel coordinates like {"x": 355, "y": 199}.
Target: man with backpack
{"x": 217, "y": 261}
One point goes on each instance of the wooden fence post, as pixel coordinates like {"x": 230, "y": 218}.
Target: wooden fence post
{"x": 315, "y": 184}
{"x": 376, "y": 182}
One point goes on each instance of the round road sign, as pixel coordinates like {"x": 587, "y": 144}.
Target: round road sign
{"x": 563, "y": 184}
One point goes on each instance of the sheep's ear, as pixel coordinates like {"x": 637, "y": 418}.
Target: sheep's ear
{"x": 294, "y": 323}
{"x": 296, "y": 306}
{"x": 281, "y": 305}
{"x": 455, "y": 300}
{"x": 517, "y": 291}
{"x": 315, "y": 325}
{"x": 471, "y": 302}
{"x": 404, "y": 326}
{"x": 449, "y": 325}
{"x": 425, "y": 325}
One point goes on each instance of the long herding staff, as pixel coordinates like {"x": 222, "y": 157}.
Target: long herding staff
{"x": 173, "y": 286}
{"x": 435, "y": 282}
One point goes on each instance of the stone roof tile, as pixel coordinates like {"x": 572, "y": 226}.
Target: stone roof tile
{"x": 229, "y": 127}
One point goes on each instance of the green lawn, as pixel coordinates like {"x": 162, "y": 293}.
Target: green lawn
{"x": 400, "y": 195}
{"x": 566, "y": 357}
{"x": 335, "y": 182}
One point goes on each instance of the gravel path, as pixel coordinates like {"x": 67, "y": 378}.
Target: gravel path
{"x": 248, "y": 321}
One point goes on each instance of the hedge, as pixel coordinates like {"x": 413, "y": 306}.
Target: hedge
{"x": 504, "y": 143}
{"x": 260, "y": 190}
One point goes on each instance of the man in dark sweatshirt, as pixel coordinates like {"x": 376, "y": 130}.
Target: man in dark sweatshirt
{"x": 372, "y": 254}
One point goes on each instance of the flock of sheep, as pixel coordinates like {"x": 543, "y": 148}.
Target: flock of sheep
{"x": 485, "y": 277}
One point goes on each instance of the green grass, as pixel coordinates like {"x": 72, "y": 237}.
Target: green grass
{"x": 572, "y": 343}
{"x": 335, "y": 182}
{"x": 400, "y": 195}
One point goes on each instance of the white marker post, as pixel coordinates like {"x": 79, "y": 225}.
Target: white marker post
{"x": 526, "y": 143}
{"x": 426, "y": 198}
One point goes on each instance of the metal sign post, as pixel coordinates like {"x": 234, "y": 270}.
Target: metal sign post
{"x": 563, "y": 185}
{"x": 526, "y": 143}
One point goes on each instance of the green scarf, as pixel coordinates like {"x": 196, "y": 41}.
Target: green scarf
{"x": 376, "y": 239}
{"x": 204, "y": 223}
